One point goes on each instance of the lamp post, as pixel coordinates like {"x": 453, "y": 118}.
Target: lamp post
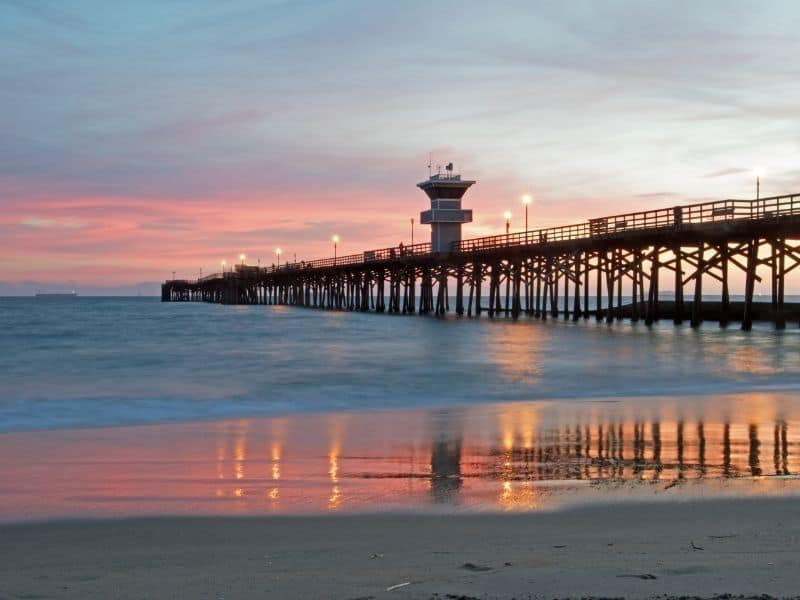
{"x": 412, "y": 231}
{"x": 507, "y": 217}
{"x": 223, "y": 263}
{"x": 526, "y": 200}
{"x": 278, "y": 251}
{"x": 241, "y": 258}
{"x": 335, "y": 247}
{"x": 759, "y": 173}
{"x": 173, "y": 276}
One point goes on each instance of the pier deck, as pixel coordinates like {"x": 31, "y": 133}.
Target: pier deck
{"x": 550, "y": 272}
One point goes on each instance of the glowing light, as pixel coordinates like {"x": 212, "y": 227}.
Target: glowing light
{"x": 333, "y": 470}
{"x": 507, "y": 215}
{"x": 335, "y": 239}
{"x": 239, "y": 455}
{"x": 276, "y": 461}
{"x": 507, "y": 493}
{"x": 526, "y": 199}
{"x": 759, "y": 172}
{"x": 336, "y": 498}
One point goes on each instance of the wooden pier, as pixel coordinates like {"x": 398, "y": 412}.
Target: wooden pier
{"x": 557, "y": 272}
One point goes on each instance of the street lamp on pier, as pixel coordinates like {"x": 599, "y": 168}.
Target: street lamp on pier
{"x": 241, "y": 258}
{"x": 507, "y": 217}
{"x": 412, "y": 231}
{"x": 278, "y": 251}
{"x": 335, "y": 247}
{"x": 526, "y": 200}
{"x": 223, "y": 262}
{"x": 758, "y": 172}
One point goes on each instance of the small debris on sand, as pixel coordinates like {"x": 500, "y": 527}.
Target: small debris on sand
{"x": 397, "y": 586}
{"x": 473, "y": 567}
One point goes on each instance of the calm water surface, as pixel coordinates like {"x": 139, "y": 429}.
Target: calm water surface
{"x": 111, "y": 361}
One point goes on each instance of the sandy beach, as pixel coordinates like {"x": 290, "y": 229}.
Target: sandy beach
{"x": 633, "y": 551}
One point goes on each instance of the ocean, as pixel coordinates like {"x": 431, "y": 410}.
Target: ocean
{"x": 87, "y": 362}
{"x": 128, "y": 406}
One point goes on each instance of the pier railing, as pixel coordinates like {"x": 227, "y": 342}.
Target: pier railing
{"x": 664, "y": 219}
{"x": 381, "y": 254}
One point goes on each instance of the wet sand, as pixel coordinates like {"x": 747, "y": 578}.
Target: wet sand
{"x": 506, "y": 457}
{"x": 698, "y": 548}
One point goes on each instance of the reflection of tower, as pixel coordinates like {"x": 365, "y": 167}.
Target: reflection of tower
{"x": 445, "y": 469}
{"x": 445, "y": 461}
{"x": 755, "y": 444}
{"x": 445, "y": 215}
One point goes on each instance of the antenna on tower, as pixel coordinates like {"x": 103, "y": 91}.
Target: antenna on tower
{"x": 430, "y": 160}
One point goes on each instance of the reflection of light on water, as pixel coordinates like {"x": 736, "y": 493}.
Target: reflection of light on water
{"x": 336, "y": 428}
{"x": 750, "y": 359}
{"x": 515, "y": 352}
{"x": 520, "y": 497}
{"x": 505, "y": 496}
{"x": 517, "y": 421}
{"x": 276, "y": 460}
{"x": 274, "y": 494}
{"x": 239, "y": 454}
{"x": 220, "y": 457}
{"x": 335, "y": 501}
{"x": 333, "y": 465}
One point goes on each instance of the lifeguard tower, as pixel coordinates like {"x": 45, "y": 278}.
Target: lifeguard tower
{"x": 445, "y": 215}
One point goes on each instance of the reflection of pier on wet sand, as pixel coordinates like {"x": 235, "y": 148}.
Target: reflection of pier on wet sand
{"x": 643, "y": 450}
{"x": 520, "y": 457}
{"x": 514, "y": 456}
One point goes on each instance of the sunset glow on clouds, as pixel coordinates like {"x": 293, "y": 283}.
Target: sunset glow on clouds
{"x": 156, "y": 136}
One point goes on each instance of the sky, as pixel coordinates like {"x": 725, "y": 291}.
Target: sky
{"x": 142, "y": 138}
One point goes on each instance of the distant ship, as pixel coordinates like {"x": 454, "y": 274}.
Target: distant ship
{"x": 56, "y": 294}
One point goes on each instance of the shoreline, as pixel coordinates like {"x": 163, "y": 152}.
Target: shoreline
{"x": 639, "y": 550}
{"x": 512, "y": 457}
